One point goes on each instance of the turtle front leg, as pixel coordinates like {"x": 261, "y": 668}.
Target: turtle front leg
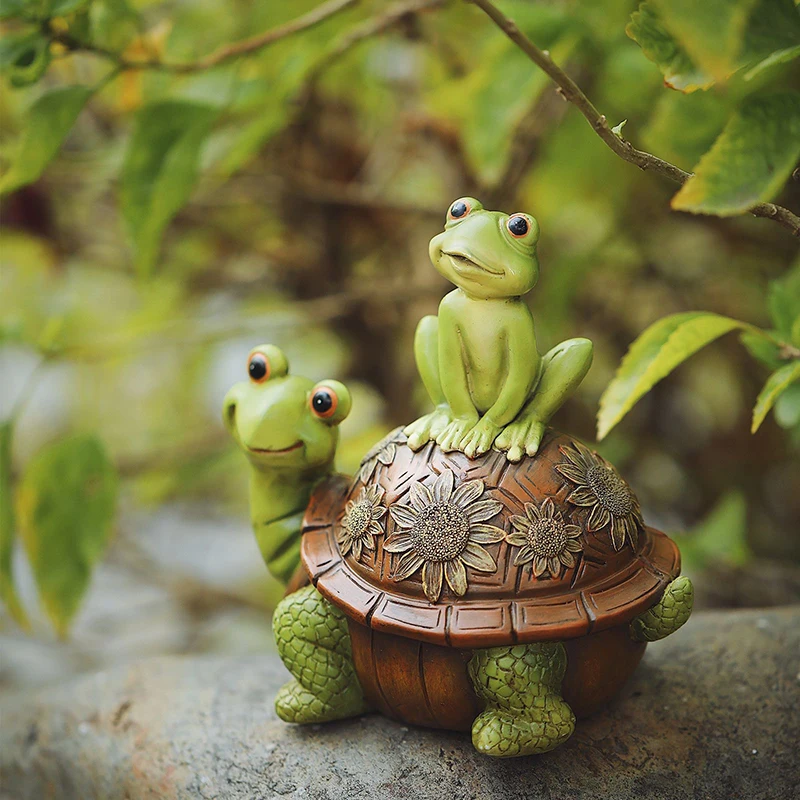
{"x": 314, "y": 643}
{"x": 667, "y": 615}
{"x": 521, "y": 687}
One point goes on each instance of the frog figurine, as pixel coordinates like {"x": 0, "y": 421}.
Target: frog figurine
{"x": 478, "y": 358}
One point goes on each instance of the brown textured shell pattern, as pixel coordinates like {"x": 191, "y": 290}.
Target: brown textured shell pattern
{"x": 477, "y": 552}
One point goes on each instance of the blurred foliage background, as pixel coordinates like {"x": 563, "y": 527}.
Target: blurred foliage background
{"x": 159, "y": 222}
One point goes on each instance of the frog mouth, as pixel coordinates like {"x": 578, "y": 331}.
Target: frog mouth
{"x": 465, "y": 263}
{"x": 264, "y": 451}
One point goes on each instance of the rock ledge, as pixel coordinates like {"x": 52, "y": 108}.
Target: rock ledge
{"x": 713, "y": 712}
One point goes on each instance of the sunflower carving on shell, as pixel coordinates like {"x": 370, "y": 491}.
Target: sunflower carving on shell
{"x": 600, "y": 489}
{"x": 381, "y": 453}
{"x": 544, "y": 538}
{"x": 361, "y": 522}
{"x": 442, "y": 531}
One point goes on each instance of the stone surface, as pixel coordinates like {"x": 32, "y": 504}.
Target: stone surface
{"x": 713, "y": 712}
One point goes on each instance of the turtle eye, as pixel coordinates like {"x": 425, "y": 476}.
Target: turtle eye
{"x": 459, "y": 209}
{"x": 324, "y": 402}
{"x": 258, "y": 368}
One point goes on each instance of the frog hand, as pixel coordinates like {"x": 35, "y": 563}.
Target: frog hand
{"x": 452, "y": 435}
{"x": 521, "y": 437}
{"x": 480, "y": 439}
{"x": 421, "y": 431}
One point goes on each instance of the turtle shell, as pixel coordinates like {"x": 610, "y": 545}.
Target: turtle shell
{"x": 482, "y": 552}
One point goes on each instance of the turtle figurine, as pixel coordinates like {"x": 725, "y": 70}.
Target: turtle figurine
{"x": 464, "y": 593}
{"x": 481, "y": 572}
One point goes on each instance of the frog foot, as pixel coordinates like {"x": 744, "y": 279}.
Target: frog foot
{"x": 451, "y": 437}
{"x": 426, "y": 428}
{"x": 521, "y": 437}
{"x": 480, "y": 439}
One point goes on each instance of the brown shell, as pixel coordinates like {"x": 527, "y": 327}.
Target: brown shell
{"x": 610, "y": 582}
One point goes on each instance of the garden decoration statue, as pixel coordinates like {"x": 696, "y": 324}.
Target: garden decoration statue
{"x": 481, "y": 571}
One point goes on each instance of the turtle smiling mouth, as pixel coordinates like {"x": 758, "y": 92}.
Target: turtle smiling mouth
{"x": 295, "y": 446}
{"x": 463, "y": 263}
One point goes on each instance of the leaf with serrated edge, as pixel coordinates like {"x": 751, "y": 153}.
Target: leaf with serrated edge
{"x": 647, "y": 30}
{"x": 749, "y": 162}
{"x": 66, "y": 505}
{"x": 662, "y": 347}
{"x": 776, "y": 384}
{"x": 49, "y": 121}
{"x": 711, "y": 33}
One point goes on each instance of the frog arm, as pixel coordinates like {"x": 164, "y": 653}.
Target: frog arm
{"x": 522, "y": 360}
{"x": 453, "y": 369}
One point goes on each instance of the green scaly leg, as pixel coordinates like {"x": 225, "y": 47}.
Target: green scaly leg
{"x": 667, "y": 615}
{"x": 521, "y": 686}
{"x": 314, "y": 643}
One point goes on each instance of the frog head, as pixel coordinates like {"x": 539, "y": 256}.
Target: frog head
{"x": 282, "y": 421}
{"x": 487, "y": 254}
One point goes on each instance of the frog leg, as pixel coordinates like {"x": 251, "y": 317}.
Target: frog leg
{"x": 563, "y": 368}
{"x": 667, "y": 615}
{"x": 426, "y": 354}
{"x": 521, "y": 686}
{"x": 314, "y": 643}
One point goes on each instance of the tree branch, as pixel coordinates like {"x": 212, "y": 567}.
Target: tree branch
{"x": 223, "y": 54}
{"x": 623, "y": 148}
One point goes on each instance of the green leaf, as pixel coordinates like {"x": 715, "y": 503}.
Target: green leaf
{"x": 766, "y": 351}
{"x": 113, "y": 22}
{"x": 49, "y": 121}
{"x": 784, "y": 302}
{"x": 11, "y": 8}
{"x": 711, "y": 33}
{"x": 680, "y": 72}
{"x": 787, "y": 407}
{"x": 60, "y": 8}
{"x": 160, "y": 171}
{"x": 721, "y": 538}
{"x": 24, "y": 59}
{"x": 66, "y": 502}
{"x": 14, "y": 48}
{"x": 7, "y": 526}
{"x": 776, "y": 384}
{"x": 772, "y": 36}
{"x": 749, "y": 162}
{"x": 684, "y": 126}
{"x": 695, "y": 44}
{"x": 662, "y": 347}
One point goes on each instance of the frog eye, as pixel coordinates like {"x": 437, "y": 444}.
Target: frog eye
{"x": 330, "y": 402}
{"x": 258, "y": 367}
{"x": 324, "y": 402}
{"x": 521, "y": 226}
{"x": 459, "y": 209}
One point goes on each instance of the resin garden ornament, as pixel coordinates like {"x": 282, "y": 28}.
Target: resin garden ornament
{"x": 481, "y": 572}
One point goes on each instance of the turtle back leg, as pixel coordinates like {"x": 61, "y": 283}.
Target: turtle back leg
{"x": 521, "y": 686}
{"x": 667, "y": 615}
{"x": 314, "y": 643}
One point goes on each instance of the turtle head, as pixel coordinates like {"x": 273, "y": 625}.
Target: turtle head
{"x": 283, "y": 421}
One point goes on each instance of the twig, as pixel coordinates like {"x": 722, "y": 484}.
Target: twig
{"x": 365, "y": 30}
{"x": 623, "y": 148}
{"x": 223, "y": 54}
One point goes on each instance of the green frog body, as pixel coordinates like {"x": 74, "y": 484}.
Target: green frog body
{"x": 478, "y": 357}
